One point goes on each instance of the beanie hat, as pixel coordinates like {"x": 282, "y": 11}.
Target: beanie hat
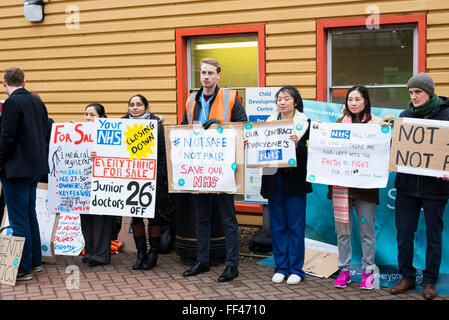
{"x": 423, "y": 81}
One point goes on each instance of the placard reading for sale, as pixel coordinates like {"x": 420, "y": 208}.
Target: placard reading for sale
{"x": 124, "y": 170}
{"x": 349, "y": 154}
{"x": 269, "y": 144}
{"x": 204, "y": 160}
{"x": 70, "y": 167}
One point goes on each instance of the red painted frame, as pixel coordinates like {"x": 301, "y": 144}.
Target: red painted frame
{"x": 323, "y": 26}
{"x": 181, "y": 72}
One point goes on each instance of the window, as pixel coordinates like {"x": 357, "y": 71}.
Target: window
{"x": 237, "y": 56}
{"x": 382, "y": 59}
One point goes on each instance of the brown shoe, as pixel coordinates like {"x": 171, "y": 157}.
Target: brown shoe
{"x": 403, "y": 286}
{"x": 429, "y": 291}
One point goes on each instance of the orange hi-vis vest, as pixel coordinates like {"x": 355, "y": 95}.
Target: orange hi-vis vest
{"x": 221, "y": 109}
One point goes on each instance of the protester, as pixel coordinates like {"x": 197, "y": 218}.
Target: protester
{"x": 96, "y": 229}
{"x": 209, "y": 106}
{"x": 415, "y": 192}
{"x": 286, "y": 189}
{"x": 138, "y": 108}
{"x": 357, "y": 110}
{"x": 23, "y": 160}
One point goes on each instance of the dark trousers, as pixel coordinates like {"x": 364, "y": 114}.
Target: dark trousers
{"x": 20, "y": 198}
{"x": 224, "y": 203}
{"x": 407, "y": 214}
{"x": 288, "y": 227}
{"x": 97, "y": 237}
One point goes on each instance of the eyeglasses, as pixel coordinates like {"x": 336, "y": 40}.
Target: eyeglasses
{"x": 138, "y": 104}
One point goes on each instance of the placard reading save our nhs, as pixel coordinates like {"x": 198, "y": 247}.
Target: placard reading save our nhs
{"x": 349, "y": 154}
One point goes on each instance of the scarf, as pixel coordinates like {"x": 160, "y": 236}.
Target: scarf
{"x": 146, "y": 115}
{"x": 340, "y": 201}
{"x": 425, "y": 109}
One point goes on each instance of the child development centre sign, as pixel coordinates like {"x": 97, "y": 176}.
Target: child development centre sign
{"x": 349, "y": 154}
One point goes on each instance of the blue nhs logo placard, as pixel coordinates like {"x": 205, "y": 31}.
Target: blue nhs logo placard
{"x": 111, "y": 137}
{"x": 341, "y": 134}
{"x": 270, "y": 155}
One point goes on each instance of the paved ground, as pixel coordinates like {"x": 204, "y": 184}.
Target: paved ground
{"x": 118, "y": 281}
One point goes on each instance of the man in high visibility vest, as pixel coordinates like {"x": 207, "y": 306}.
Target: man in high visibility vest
{"x": 212, "y": 104}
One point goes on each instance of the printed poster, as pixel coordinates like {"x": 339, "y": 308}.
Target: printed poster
{"x": 349, "y": 154}
{"x": 124, "y": 170}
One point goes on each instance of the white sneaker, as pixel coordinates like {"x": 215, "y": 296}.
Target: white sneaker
{"x": 278, "y": 278}
{"x": 293, "y": 279}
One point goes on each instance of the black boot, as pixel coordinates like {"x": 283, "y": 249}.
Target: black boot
{"x": 151, "y": 260}
{"x": 141, "y": 244}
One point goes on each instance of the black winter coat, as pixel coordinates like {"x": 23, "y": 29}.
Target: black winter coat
{"x": 293, "y": 179}
{"x": 23, "y": 137}
{"x": 423, "y": 186}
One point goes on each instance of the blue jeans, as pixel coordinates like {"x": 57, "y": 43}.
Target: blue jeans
{"x": 20, "y": 198}
{"x": 288, "y": 227}
{"x": 407, "y": 214}
{"x": 224, "y": 203}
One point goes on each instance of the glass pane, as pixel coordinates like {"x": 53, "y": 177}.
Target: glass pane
{"x": 237, "y": 55}
{"x": 372, "y": 57}
{"x": 396, "y": 98}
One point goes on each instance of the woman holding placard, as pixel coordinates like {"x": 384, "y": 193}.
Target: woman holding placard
{"x": 138, "y": 109}
{"x": 96, "y": 229}
{"x": 286, "y": 189}
{"x": 357, "y": 110}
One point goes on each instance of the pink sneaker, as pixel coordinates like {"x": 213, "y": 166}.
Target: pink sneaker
{"x": 367, "y": 281}
{"x": 343, "y": 279}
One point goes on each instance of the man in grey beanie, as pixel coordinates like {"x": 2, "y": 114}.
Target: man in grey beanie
{"x": 415, "y": 192}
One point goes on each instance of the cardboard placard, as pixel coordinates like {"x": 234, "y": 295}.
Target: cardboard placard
{"x": 198, "y": 168}
{"x": 269, "y": 144}
{"x": 11, "y": 249}
{"x": 420, "y": 146}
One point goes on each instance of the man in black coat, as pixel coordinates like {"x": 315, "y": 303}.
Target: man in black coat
{"x": 23, "y": 159}
{"x": 415, "y": 192}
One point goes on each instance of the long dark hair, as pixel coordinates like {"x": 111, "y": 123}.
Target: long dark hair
{"x": 366, "y": 113}
{"x": 99, "y": 108}
{"x": 295, "y": 94}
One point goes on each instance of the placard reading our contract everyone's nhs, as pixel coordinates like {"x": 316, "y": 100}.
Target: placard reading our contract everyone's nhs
{"x": 350, "y": 155}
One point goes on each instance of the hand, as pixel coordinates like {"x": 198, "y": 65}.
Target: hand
{"x": 445, "y": 177}
{"x": 384, "y": 123}
{"x": 208, "y": 123}
{"x": 245, "y": 143}
{"x": 93, "y": 154}
{"x": 294, "y": 138}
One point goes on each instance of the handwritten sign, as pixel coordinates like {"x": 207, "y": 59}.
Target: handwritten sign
{"x": 69, "y": 240}
{"x": 47, "y": 223}
{"x": 350, "y": 155}
{"x": 204, "y": 160}
{"x": 124, "y": 171}
{"x": 10, "y": 255}
{"x": 70, "y": 167}
{"x": 420, "y": 146}
{"x": 269, "y": 144}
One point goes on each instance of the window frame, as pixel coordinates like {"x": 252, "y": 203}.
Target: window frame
{"x": 182, "y": 73}
{"x": 325, "y": 26}
{"x": 182, "y": 53}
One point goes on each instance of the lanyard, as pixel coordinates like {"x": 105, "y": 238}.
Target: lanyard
{"x": 204, "y": 115}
